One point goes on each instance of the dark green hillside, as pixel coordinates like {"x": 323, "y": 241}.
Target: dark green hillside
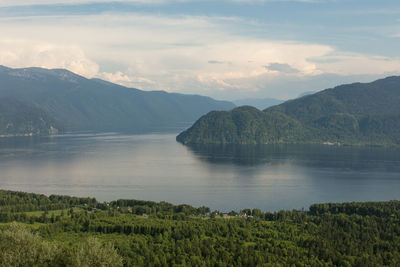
{"x": 377, "y": 98}
{"x": 94, "y": 105}
{"x": 348, "y": 114}
{"x": 244, "y": 125}
{"x": 18, "y": 119}
{"x": 36, "y": 230}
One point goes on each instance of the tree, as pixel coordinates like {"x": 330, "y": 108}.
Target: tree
{"x": 93, "y": 253}
{"x": 20, "y": 247}
{"x": 256, "y": 213}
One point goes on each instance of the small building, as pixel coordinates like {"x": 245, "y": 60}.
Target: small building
{"x": 243, "y": 215}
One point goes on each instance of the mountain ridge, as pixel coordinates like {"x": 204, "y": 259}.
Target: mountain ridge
{"x": 82, "y": 104}
{"x": 260, "y": 103}
{"x": 358, "y": 113}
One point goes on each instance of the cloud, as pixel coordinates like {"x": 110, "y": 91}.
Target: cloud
{"x": 269, "y": 1}
{"x": 374, "y": 11}
{"x": 26, "y": 53}
{"x": 216, "y": 62}
{"x": 189, "y": 54}
{"x": 126, "y": 79}
{"x": 345, "y": 63}
{"x": 8, "y": 3}
{"x": 285, "y": 68}
{"x": 142, "y": 42}
{"x": 395, "y": 35}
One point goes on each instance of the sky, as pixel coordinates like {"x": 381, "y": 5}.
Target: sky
{"x": 228, "y": 49}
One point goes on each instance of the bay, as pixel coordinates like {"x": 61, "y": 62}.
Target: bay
{"x": 111, "y": 166}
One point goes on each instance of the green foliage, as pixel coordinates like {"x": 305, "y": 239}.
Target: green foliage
{"x": 331, "y": 234}
{"x": 20, "y": 247}
{"x": 348, "y": 114}
{"x": 243, "y": 125}
{"x": 92, "y": 252}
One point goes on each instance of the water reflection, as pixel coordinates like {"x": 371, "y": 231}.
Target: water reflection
{"x": 156, "y": 167}
{"x": 352, "y": 158}
{"x": 247, "y": 155}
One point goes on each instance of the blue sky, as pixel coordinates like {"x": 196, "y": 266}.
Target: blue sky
{"x": 224, "y": 49}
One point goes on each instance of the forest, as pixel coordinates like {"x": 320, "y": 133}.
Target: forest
{"x": 39, "y": 230}
{"x": 351, "y": 114}
{"x": 21, "y": 119}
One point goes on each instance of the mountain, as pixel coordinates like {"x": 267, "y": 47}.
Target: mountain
{"x": 260, "y": 103}
{"x": 82, "y": 104}
{"x": 20, "y": 119}
{"x": 306, "y": 93}
{"x": 359, "y": 113}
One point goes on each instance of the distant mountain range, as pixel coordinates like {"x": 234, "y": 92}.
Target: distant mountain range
{"x": 359, "y": 113}
{"x": 80, "y": 104}
{"x": 260, "y": 103}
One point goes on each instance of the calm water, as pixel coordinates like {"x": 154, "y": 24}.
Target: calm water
{"x": 155, "y": 167}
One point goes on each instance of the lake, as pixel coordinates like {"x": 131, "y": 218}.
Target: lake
{"x": 155, "y": 167}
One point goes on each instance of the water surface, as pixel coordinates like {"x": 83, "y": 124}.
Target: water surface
{"x": 156, "y": 167}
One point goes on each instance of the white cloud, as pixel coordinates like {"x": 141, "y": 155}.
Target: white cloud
{"x": 126, "y": 79}
{"x": 173, "y": 53}
{"x": 266, "y": 1}
{"x": 281, "y": 67}
{"x": 26, "y": 53}
{"x": 7, "y": 3}
{"x": 343, "y": 63}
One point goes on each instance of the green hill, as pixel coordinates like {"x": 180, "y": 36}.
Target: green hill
{"x": 20, "y": 119}
{"x": 356, "y": 113}
{"x": 82, "y": 104}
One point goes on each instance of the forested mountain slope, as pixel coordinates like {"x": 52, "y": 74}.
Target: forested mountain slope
{"x": 82, "y": 104}
{"x": 359, "y": 113}
{"x": 20, "y": 119}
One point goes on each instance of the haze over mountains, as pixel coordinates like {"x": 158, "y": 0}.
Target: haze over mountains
{"x": 260, "y": 103}
{"x": 358, "y": 113}
{"x": 37, "y": 101}
{"x": 75, "y": 103}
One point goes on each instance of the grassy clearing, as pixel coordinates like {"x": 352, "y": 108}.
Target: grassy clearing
{"x": 50, "y": 213}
